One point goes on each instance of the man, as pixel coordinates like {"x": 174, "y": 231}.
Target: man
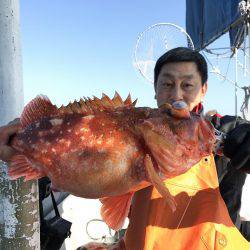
{"x": 181, "y": 74}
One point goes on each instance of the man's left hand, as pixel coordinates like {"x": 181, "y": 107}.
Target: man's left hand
{"x": 237, "y": 147}
{"x": 6, "y": 151}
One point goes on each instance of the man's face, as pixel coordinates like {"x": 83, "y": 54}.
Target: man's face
{"x": 180, "y": 81}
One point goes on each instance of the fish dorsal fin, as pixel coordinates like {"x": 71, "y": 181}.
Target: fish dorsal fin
{"x": 117, "y": 100}
{"x": 94, "y": 105}
{"x": 115, "y": 209}
{"x": 38, "y": 107}
{"x": 107, "y": 101}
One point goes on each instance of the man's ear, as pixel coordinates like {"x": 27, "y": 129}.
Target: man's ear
{"x": 204, "y": 89}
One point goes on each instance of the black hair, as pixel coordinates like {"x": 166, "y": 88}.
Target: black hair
{"x": 182, "y": 54}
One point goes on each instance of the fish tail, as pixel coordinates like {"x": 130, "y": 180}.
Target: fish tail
{"x": 158, "y": 183}
{"x": 20, "y": 166}
{"x": 36, "y": 109}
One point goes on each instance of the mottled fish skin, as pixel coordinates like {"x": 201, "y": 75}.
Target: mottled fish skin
{"x": 105, "y": 147}
{"x": 96, "y": 151}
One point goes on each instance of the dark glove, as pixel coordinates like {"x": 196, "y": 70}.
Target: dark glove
{"x": 237, "y": 147}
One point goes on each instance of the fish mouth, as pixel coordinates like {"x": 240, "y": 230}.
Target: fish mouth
{"x": 179, "y": 105}
{"x": 178, "y": 109}
{"x": 175, "y": 105}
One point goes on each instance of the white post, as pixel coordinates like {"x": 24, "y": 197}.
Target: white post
{"x": 19, "y": 207}
{"x": 236, "y": 82}
{"x": 248, "y": 30}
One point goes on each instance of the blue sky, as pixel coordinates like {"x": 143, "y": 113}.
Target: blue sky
{"x": 82, "y": 48}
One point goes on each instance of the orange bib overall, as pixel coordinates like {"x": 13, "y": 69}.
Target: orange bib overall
{"x": 201, "y": 220}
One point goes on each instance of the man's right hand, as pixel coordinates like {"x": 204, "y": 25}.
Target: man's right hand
{"x": 6, "y": 132}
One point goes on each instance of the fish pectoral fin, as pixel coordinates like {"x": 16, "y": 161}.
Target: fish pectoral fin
{"x": 115, "y": 209}
{"x": 158, "y": 183}
{"x": 21, "y": 166}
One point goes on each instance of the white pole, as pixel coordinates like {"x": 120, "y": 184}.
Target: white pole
{"x": 19, "y": 208}
{"x": 248, "y": 30}
{"x": 236, "y": 80}
{"x": 245, "y": 49}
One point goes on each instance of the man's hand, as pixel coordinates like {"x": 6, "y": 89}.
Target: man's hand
{"x": 6, "y": 152}
{"x": 237, "y": 147}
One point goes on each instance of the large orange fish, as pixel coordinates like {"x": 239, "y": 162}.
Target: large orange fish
{"x": 108, "y": 148}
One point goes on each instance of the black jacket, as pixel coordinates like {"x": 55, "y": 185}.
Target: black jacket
{"x": 231, "y": 180}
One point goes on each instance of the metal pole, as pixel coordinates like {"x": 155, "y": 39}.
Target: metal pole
{"x": 236, "y": 81}
{"x": 19, "y": 208}
{"x": 245, "y": 49}
{"x": 248, "y": 30}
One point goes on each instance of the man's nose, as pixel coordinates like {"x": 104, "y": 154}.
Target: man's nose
{"x": 177, "y": 94}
